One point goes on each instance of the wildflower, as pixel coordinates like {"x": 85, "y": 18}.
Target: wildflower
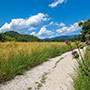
{"x": 86, "y": 42}
{"x": 81, "y": 46}
{"x": 88, "y": 34}
{"x": 66, "y": 41}
{"x": 73, "y": 52}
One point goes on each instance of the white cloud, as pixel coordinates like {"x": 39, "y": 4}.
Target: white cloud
{"x": 56, "y": 24}
{"x": 44, "y": 32}
{"x": 33, "y": 33}
{"x": 55, "y": 3}
{"x": 49, "y": 19}
{"x": 65, "y": 30}
{"x": 51, "y": 36}
{"x": 32, "y": 28}
{"x": 19, "y": 24}
{"x": 60, "y": 25}
{"x": 51, "y": 23}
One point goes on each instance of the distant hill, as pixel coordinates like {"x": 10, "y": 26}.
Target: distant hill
{"x": 15, "y": 36}
{"x": 61, "y": 37}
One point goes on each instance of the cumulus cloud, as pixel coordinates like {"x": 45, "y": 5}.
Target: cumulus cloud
{"x": 18, "y": 24}
{"x": 70, "y": 29}
{"x": 63, "y": 30}
{"x": 33, "y": 33}
{"x": 44, "y": 32}
{"x": 55, "y": 3}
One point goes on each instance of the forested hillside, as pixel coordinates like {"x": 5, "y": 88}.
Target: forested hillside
{"x": 14, "y": 36}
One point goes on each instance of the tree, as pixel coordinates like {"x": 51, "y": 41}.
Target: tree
{"x": 2, "y": 37}
{"x": 85, "y": 26}
{"x": 10, "y": 38}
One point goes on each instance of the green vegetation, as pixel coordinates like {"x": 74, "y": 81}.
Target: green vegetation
{"x": 16, "y": 58}
{"x": 39, "y": 86}
{"x": 85, "y": 26}
{"x": 82, "y": 77}
{"x": 57, "y": 62}
{"x": 14, "y": 36}
{"x": 30, "y": 88}
{"x": 42, "y": 81}
{"x": 44, "y": 77}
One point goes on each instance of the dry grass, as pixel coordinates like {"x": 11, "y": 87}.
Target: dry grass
{"x": 15, "y": 58}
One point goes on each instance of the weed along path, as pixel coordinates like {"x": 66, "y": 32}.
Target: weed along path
{"x": 51, "y": 75}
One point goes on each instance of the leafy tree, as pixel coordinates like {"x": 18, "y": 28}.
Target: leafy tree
{"x": 85, "y": 26}
{"x": 2, "y": 37}
{"x": 10, "y": 38}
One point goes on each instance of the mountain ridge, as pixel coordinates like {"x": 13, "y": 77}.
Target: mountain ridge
{"x": 61, "y": 37}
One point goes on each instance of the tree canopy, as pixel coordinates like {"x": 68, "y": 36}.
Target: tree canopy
{"x": 85, "y": 26}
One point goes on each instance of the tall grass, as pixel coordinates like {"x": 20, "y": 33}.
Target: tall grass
{"x": 16, "y": 58}
{"x": 82, "y": 77}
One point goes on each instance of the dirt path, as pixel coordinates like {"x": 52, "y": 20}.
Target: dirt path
{"x": 51, "y": 75}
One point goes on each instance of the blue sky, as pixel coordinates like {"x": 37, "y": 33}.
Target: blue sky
{"x": 43, "y": 18}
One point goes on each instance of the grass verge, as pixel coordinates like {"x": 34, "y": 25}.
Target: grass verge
{"x": 16, "y": 58}
{"x": 82, "y": 77}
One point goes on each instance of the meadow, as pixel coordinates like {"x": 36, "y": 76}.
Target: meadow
{"x": 17, "y": 57}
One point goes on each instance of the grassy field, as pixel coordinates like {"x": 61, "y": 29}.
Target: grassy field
{"x": 82, "y": 78}
{"x": 16, "y": 58}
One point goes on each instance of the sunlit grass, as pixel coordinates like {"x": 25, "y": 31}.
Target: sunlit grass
{"x": 16, "y": 58}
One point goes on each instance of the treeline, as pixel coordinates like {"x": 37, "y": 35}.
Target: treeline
{"x": 79, "y": 38}
{"x": 14, "y": 36}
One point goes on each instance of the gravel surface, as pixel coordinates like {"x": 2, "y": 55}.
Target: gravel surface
{"x": 51, "y": 75}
